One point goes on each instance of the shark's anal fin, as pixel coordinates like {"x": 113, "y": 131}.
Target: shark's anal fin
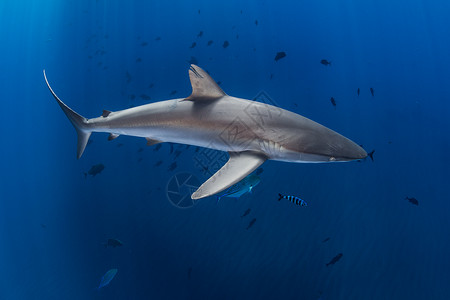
{"x": 238, "y": 167}
{"x": 203, "y": 86}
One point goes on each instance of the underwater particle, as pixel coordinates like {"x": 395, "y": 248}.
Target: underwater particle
{"x": 237, "y": 36}
{"x": 143, "y": 44}
{"x": 271, "y": 76}
{"x": 145, "y": 97}
{"x": 173, "y": 92}
{"x": 113, "y": 243}
{"x": 200, "y": 34}
{"x": 210, "y": 42}
{"x": 412, "y": 200}
{"x": 357, "y": 92}
{"x": 246, "y": 213}
{"x": 158, "y": 163}
{"x": 193, "y": 45}
{"x": 151, "y": 85}
{"x": 132, "y": 96}
{"x": 128, "y": 76}
{"x": 256, "y": 22}
{"x": 280, "y": 55}
{"x": 326, "y": 240}
{"x": 96, "y": 169}
{"x": 252, "y": 222}
{"x": 140, "y": 150}
{"x": 199, "y": 11}
{"x": 371, "y": 91}
{"x": 106, "y": 279}
{"x": 334, "y": 259}
{"x": 325, "y": 62}
{"x": 293, "y": 199}
{"x": 226, "y": 44}
{"x": 158, "y": 38}
{"x": 172, "y": 166}
{"x": 333, "y": 102}
{"x": 138, "y": 60}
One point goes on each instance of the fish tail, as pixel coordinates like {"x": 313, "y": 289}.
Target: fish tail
{"x": 79, "y": 122}
{"x": 280, "y": 197}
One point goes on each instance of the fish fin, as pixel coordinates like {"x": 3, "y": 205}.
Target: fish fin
{"x": 79, "y": 122}
{"x": 203, "y": 86}
{"x": 371, "y": 154}
{"x": 280, "y": 197}
{"x": 112, "y": 136}
{"x": 106, "y": 113}
{"x": 238, "y": 167}
{"x": 151, "y": 142}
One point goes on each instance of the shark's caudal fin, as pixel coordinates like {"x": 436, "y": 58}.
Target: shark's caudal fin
{"x": 238, "y": 167}
{"x": 203, "y": 86}
{"x": 79, "y": 122}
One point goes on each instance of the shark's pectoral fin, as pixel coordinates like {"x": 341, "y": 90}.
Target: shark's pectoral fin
{"x": 238, "y": 167}
{"x": 203, "y": 86}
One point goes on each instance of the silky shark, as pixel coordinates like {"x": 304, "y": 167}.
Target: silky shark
{"x": 251, "y": 132}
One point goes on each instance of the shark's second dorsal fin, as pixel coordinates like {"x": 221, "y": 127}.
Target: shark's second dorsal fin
{"x": 203, "y": 86}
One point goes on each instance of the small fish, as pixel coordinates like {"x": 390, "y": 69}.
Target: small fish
{"x": 280, "y": 55}
{"x": 271, "y": 76}
{"x": 113, "y": 243}
{"x": 210, "y": 43}
{"x": 138, "y": 59}
{"x": 171, "y": 148}
{"x": 326, "y": 240}
{"x": 251, "y": 223}
{"x": 140, "y": 150}
{"x": 173, "y": 92}
{"x": 145, "y": 97}
{"x": 172, "y": 167}
{"x": 200, "y": 34}
{"x": 43, "y": 225}
{"x": 333, "y": 102}
{"x": 246, "y": 213}
{"x": 151, "y": 85}
{"x": 334, "y": 259}
{"x": 325, "y": 62}
{"x": 158, "y": 38}
{"x": 199, "y": 11}
{"x": 158, "y": 163}
{"x": 157, "y": 147}
{"x": 237, "y": 36}
{"x": 106, "y": 279}
{"x": 177, "y": 153}
{"x": 226, "y": 44}
{"x": 119, "y": 145}
{"x": 143, "y": 44}
{"x": 357, "y": 91}
{"x": 259, "y": 171}
{"x": 293, "y": 199}
{"x": 370, "y": 154}
{"x": 256, "y": 22}
{"x": 371, "y": 91}
{"x": 412, "y": 200}
{"x": 242, "y": 187}
{"x": 132, "y": 97}
{"x": 96, "y": 169}
{"x": 193, "y": 45}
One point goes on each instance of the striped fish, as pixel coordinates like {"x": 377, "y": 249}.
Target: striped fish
{"x": 293, "y": 199}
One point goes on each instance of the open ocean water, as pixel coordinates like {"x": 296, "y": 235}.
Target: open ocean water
{"x": 55, "y": 216}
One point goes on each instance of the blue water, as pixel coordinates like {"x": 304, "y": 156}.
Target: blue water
{"x": 53, "y": 220}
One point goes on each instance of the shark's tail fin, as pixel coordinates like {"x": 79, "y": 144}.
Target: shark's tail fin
{"x": 79, "y": 122}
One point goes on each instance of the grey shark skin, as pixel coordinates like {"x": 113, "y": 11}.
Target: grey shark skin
{"x": 251, "y": 132}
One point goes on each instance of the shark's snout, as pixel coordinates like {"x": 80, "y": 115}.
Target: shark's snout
{"x": 347, "y": 150}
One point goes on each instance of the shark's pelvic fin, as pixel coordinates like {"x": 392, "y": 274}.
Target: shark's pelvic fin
{"x": 79, "y": 122}
{"x": 238, "y": 167}
{"x": 203, "y": 86}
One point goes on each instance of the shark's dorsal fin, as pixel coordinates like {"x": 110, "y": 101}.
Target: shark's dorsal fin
{"x": 151, "y": 142}
{"x": 238, "y": 167}
{"x": 112, "y": 136}
{"x": 203, "y": 86}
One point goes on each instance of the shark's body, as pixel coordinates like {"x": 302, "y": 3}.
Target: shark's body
{"x": 251, "y": 132}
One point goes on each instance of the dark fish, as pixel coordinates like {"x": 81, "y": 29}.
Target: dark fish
{"x": 412, "y": 200}
{"x": 333, "y": 102}
{"x": 325, "y": 62}
{"x": 357, "y": 91}
{"x": 370, "y": 154}
{"x": 199, "y": 11}
{"x": 132, "y": 97}
{"x": 145, "y": 97}
{"x": 43, "y": 225}
{"x": 140, "y": 159}
{"x": 226, "y": 44}
{"x": 128, "y": 76}
{"x": 293, "y": 199}
{"x": 189, "y": 272}
{"x": 210, "y": 43}
{"x": 371, "y": 91}
{"x": 219, "y": 82}
{"x": 259, "y": 171}
{"x": 271, "y": 76}
{"x": 326, "y": 240}
{"x": 193, "y": 60}
{"x": 334, "y": 259}
{"x": 193, "y": 45}
{"x": 251, "y": 223}
{"x": 138, "y": 59}
{"x": 171, "y": 148}
{"x": 280, "y": 55}
{"x": 158, "y": 163}
{"x": 172, "y": 167}
{"x": 140, "y": 150}
{"x": 177, "y": 153}
{"x": 173, "y": 92}
{"x": 237, "y": 36}
{"x": 157, "y": 147}
{"x": 119, "y": 145}
{"x": 113, "y": 243}
{"x": 256, "y": 22}
{"x": 246, "y": 213}
{"x": 143, "y": 44}
{"x": 151, "y": 85}
{"x": 158, "y": 38}
{"x": 197, "y": 148}
{"x": 200, "y": 34}
{"x": 96, "y": 169}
